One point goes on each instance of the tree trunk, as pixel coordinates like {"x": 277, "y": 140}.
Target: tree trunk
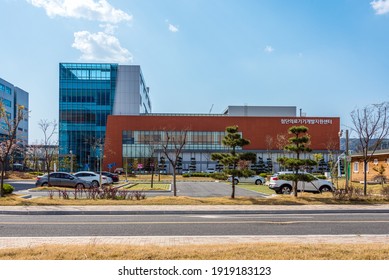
{"x": 152, "y": 176}
{"x": 48, "y": 174}
{"x": 2, "y": 180}
{"x": 174, "y": 182}
{"x": 233, "y": 176}
{"x": 365, "y": 177}
{"x": 295, "y": 183}
{"x": 233, "y": 187}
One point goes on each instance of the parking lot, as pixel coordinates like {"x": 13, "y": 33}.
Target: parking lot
{"x": 193, "y": 189}
{"x": 207, "y": 189}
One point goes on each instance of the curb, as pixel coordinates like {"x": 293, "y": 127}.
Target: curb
{"x": 189, "y": 212}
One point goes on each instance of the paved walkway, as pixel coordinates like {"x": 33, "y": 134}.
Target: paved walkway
{"x": 8, "y": 242}
{"x": 18, "y": 242}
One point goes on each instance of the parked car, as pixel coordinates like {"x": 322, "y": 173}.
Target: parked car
{"x": 93, "y": 178}
{"x": 258, "y": 180}
{"x": 185, "y": 171}
{"x": 113, "y": 176}
{"x": 285, "y": 187}
{"x": 119, "y": 171}
{"x": 61, "y": 179}
{"x": 210, "y": 170}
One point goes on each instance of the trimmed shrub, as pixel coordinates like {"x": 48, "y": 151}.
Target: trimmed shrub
{"x": 219, "y": 176}
{"x": 36, "y": 173}
{"x": 264, "y": 175}
{"x": 8, "y": 188}
{"x": 198, "y": 174}
{"x": 321, "y": 177}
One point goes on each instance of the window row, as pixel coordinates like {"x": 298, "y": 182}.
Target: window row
{"x": 5, "y": 89}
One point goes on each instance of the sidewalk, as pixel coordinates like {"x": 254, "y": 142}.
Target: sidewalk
{"x": 25, "y": 242}
{"x": 186, "y": 209}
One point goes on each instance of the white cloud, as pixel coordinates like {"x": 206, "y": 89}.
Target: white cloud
{"x": 269, "y": 49}
{"x": 100, "y": 47}
{"x": 87, "y": 9}
{"x": 380, "y": 6}
{"x": 173, "y": 28}
{"x": 108, "y": 28}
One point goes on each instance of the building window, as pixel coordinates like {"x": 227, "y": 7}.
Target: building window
{"x": 2, "y": 87}
{"x": 8, "y": 90}
{"x": 356, "y": 167}
{"x": 6, "y": 102}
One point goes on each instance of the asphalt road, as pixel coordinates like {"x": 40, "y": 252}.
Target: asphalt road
{"x": 199, "y": 225}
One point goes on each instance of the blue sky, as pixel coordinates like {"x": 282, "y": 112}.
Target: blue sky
{"x": 326, "y": 57}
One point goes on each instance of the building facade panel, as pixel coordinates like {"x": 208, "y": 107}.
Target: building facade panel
{"x": 323, "y": 131}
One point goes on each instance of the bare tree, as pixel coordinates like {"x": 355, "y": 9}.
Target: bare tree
{"x": 8, "y": 142}
{"x": 371, "y": 125}
{"x": 49, "y": 129}
{"x": 32, "y": 156}
{"x": 269, "y": 144}
{"x": 152, "y": 149}
{"x": 96, "y": 144}
{"x": 172, "y": 146}
{"x": 333, "y": 149}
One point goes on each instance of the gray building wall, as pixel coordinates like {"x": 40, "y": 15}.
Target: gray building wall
{"x": 132, "y": 96}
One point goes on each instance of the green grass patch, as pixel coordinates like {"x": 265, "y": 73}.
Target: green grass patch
{"x": 53, "y": 188}
{"x": 147, "y": 187}
{"x": 256, "y": 188}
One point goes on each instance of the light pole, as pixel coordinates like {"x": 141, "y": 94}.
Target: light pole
{"x": 346, "y": 158}
{"x": 71, "y": 161}
{"x": 101, "y": 158}
{"x": 347, "y": 161}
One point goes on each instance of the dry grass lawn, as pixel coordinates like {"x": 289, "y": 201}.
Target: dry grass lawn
{"x": 256, "y": 251}
{"x": 302, "y": 199}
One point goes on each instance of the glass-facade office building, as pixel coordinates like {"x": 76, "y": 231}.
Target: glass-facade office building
{"x": 88, "y": 93}
{"x": 12, "y": 97}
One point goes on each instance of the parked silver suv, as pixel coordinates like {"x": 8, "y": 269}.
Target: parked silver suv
{"x": 61, "y": 179}
{"x": 285, "y": 187}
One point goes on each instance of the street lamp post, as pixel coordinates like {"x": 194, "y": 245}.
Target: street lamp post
{"x": 346, "y": 158}
{"x": 347, "y": 161}
{"x": 71, "y": 161}
{"x": 101, "y": 158}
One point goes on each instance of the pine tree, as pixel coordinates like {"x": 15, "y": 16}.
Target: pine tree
{"x": 233, "y": 139}
{"x": 298, "y": 144}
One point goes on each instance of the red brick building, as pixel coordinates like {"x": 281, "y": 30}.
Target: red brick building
{"x": 127, "y": 137}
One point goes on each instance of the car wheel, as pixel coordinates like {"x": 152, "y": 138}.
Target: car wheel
{"x": 258, "y": 182}
{"x": 236, "y": 181}
{"x": 44, "y": 184}
{"x": 95, "y": 184}
{"x": 285, "y": 189}
{"x": 80, "y": 186}
{"x": 325, "y": 189}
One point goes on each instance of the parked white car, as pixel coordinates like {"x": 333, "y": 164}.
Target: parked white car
{"x": 285, "y": 187}
{"x": 258, "y": 180}
{"x": 93, "y": 177}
